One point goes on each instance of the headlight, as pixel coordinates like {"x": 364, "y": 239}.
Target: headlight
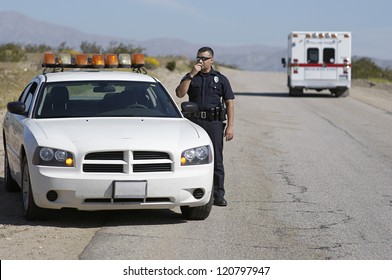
{"x": 53, "y": 157}
{"x": 46, "y": 154}
{"x": 195, "y": 156}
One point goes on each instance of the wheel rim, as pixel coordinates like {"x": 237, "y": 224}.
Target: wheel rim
{"x": 25, "y": 186}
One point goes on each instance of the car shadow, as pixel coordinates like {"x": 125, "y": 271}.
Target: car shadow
{"x": 11, "y": 214}
{"x": 285, "y": 94}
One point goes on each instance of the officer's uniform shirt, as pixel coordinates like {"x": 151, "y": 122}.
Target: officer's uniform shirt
{"x": 208, "y": 90}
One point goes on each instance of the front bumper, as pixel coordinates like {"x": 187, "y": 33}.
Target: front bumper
{"x": 57, "y": 188}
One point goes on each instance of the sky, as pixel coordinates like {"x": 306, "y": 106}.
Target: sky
{"x": 221, "y": 22}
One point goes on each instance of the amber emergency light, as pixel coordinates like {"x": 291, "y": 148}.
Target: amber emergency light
{"x": 81, "y": 60}
{"x": 137, "y": 60}
{"x": 98, "y": 61}
{"x": 111, "y": 61}
{"x": 49, "y": 60}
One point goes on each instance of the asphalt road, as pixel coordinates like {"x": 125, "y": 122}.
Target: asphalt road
{"x": 306, "y": 178}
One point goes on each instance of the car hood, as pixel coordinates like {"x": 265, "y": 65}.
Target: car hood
{"x": 116, "y": 129}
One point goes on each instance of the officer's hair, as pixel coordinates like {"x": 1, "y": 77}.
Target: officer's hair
{"x": 206, "y": 49}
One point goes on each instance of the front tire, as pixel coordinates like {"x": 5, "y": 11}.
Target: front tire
{"x": 30, "y": 210}
{"x": 197, "y": 213}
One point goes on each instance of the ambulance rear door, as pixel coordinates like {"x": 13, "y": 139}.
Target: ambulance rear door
{"x": 320, "y": 54}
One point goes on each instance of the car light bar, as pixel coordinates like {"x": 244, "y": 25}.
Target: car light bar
{"x": 64, "y": 60}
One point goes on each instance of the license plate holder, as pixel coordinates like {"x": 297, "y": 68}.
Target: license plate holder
{"x": 130, "y": 189}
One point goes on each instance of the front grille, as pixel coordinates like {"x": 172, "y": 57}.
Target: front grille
{"x": 116, "y": 155}
{"x": 103, "y": 168}
{"x": 127, "y": 162}
{"x": 140, "y": 155}
{"x": 158, "y": 167}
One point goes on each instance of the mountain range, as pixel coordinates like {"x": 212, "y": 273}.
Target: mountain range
{"x": 21, "y": 29}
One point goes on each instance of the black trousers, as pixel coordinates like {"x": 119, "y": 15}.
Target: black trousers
{"x": 215, "y": 129}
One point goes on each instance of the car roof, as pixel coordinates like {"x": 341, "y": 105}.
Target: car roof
{"x": 94, "y": 75}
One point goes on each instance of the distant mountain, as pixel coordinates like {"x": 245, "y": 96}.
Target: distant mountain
{"x": 19, "y": 28}
{"x": 247, "y": 57}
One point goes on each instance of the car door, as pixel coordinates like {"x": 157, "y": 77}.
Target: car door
{"x": 14, "y": 130}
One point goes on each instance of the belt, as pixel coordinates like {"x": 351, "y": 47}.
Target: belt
{"x": 205, "y": 115}
{"x": 214, "y": 114}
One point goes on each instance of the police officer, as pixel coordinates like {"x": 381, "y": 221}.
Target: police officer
{"x": 212, "y": 92}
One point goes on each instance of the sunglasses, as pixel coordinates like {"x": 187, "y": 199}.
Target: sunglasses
{"x": 202, "y": 58}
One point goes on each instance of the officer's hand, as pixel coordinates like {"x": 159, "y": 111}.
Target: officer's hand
{"x": 229, "y": 133}
{"x": 196, "y": 69}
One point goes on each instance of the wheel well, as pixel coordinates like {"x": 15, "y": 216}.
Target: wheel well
{"x": 22, "y": 154}
{"x": 22, "y": 149}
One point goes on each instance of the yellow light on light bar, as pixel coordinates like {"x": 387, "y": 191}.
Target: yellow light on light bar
{"x": 81, "y": 60}
{"x": 124, "y": 60}
{"x": 137, "y": 60}
{"x": 111, "y": 60}
{"x": 49, "y": 60}
{"x": 98, "y": 61}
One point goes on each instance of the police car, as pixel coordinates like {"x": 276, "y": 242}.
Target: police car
{"x": 98, "y": 139}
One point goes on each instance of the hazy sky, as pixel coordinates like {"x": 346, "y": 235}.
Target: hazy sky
{"x": 221, "y": 22}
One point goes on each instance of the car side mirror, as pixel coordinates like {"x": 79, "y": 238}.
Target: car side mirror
{"x": 189, "y": 109}
{"x": 17, "y": 107}
{"x": 283, "y": 62}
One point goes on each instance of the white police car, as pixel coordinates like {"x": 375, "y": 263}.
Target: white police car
{"x": 93, "y": 139}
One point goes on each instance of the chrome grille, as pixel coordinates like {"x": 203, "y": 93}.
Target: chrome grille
{"x": 127, "y": 162}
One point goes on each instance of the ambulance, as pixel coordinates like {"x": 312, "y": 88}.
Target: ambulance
{"x": 318, "y": 61}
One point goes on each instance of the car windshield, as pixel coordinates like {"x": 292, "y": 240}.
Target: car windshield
{"x": 104, "y": 99}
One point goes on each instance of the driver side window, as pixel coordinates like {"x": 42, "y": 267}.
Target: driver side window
{"x": 27, "y": 95}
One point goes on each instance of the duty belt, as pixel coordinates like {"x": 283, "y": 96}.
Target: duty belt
{"x": 214, "y": 114}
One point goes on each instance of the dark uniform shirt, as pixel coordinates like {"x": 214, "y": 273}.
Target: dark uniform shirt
{"x": 209, "y": 90}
